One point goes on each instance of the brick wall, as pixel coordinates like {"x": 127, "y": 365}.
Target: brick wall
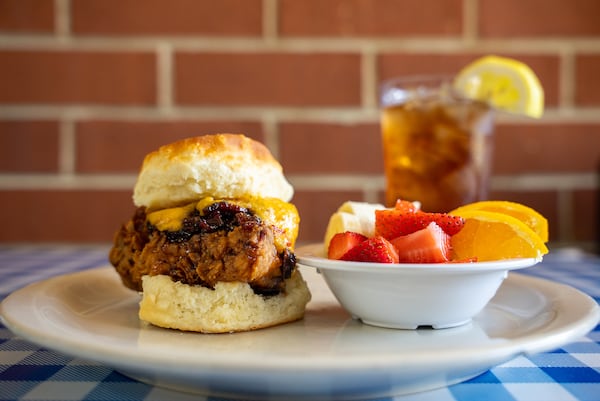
{"x": 88, "y": 87}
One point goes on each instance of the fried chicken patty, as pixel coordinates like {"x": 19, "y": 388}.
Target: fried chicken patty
{"x": 224, "y": 242}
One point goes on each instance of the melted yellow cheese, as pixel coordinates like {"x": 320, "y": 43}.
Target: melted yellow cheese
{"x": 282, "y": 216}
{"x": 169, "y": 219}
{"x": 204, "y": 203}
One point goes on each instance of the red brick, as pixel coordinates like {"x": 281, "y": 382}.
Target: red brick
{"x": 315, "y": 208}
{"x": 167, "y": 17}
{"x": 330, "y": 148}
{"x": 538, "y": 18}
{"x": 120, "y": 146}
{"x": 547, "y": 148}
{"x": 28, "y": 146}
{"x": 63, "y": 216}
{"x": 77, "y": 77}
{"x": 359, "y": 18}
{"x": 545, "y": 202}
{"x": 275, "y": 79}
{"x": 391, "y": 65}
{"x": 20, "y": 16}
{"x": 587, "y": 85}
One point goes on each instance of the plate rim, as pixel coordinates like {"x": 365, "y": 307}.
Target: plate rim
{"x": 532, "y": 342}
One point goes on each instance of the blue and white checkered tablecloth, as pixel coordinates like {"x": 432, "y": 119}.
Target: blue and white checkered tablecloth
{"x": 29, "y": 372}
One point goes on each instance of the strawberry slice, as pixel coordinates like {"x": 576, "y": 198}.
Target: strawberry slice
{"x": 375, "y": 249}
{"x": 391, "y": 223}
{"x": 428, "y": 245}
{"x": 405, "y": 206}
{"x": 341, "y": 243}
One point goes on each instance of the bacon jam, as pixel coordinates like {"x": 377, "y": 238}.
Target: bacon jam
{"x": 222, "y": 241}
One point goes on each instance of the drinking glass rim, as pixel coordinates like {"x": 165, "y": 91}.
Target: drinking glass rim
{"x": 423, "y": 85}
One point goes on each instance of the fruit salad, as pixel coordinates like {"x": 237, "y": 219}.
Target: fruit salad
{"x": 480, "y": 231}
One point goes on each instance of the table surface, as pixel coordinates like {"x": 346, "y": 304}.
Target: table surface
{"x": 29, "y": 372}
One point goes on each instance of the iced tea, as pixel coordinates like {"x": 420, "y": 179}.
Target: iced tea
{"x": 436, "y": 145}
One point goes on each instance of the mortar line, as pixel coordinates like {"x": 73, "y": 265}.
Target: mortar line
{"x": 297, "y": 45}
{"x": 271, "y": 133}
{"x": 346, "y": 115}
{"x": 369, "y": 80}
{"x": 270, "y": 27}
{"x": 67, "y": 147}
{"x": 65, "y": 177}
{"x": 164, "y": 76}
{"x": 63, "y": 181}
{"x": 62, "y": 18}
{"x": 567, "y": 79}
{"x": 470, "y": 20}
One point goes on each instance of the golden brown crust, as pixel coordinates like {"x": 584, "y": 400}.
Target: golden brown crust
{"x": 227, "y": 145}
{"x": 230, "y": 307}
{"x": 223, "y": 166}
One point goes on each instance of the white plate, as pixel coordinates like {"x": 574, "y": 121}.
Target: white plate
{"x": 327, "y": 355}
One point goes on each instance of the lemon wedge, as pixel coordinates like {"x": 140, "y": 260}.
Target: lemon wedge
{"x": 504, "y": 83}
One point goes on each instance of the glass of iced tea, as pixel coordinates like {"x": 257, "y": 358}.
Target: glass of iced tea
{"x": 437, "y": 145}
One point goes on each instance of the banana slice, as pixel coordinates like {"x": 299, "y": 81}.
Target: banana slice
{"x": 352, "y": 216}
{"x": 365, "y": 213}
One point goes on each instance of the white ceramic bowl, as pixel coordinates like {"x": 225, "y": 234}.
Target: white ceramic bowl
{"x": 409, "y": 296}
